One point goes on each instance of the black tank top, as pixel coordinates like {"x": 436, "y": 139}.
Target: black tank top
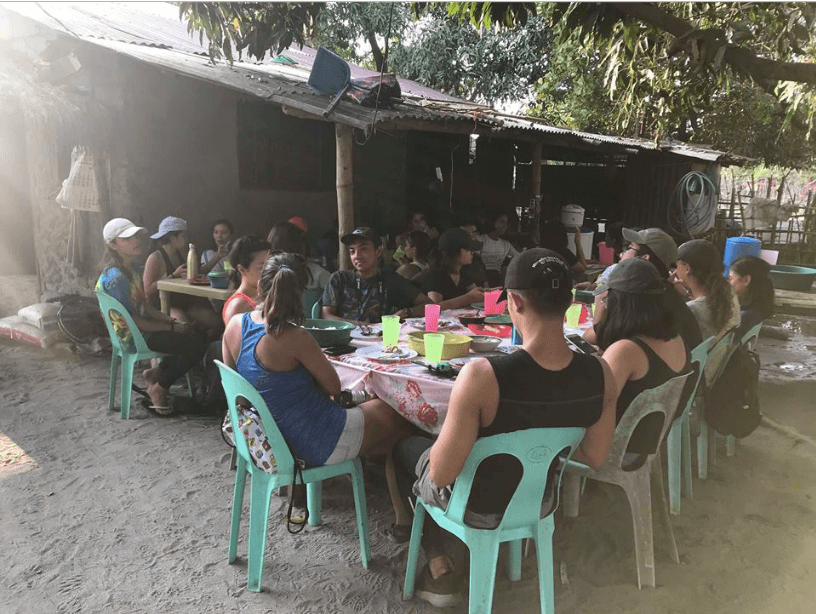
{"x": 644, "y": 439}
{"x": 533, "y": 397}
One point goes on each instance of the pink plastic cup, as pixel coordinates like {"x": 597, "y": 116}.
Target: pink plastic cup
{"x": 605, "y": 254}
{"x": 432, "y": 317}
{"x": 492, "y": 307}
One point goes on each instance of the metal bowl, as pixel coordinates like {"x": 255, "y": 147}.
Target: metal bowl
{"x": 484, "y": 343}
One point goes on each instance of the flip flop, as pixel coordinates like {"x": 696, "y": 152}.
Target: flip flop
{"x": 160, "y": 411}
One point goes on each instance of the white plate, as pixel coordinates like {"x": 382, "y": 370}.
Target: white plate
{"x": 376, "y": 330}
{"x": 375, "y": 352}
{"x": 444, "y": 324}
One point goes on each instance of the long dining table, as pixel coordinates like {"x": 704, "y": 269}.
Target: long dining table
{"x": 407, "y": 385}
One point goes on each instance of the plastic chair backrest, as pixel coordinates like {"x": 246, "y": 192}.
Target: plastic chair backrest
{"x": 535, "y": 449}
{"x": 311, "y": 296}
{"x": 663, "y": 399}
{"x": 699, "y": 358}
{"x": 718, "y": 356}
{"x": 235, "y": 387}
{"x": 750, "y": 338}
{"x": 107, "y": 304}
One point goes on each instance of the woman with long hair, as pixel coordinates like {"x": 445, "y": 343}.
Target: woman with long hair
{"x": 417, "y": 251}
{"x": 712, "y": 300}
{"x": 170, "y": 260}
{"x": 247, "y": 258}
{"x": 495, "y": 250}
{"x": 286, "y": 237}
{"x": 218, "y": 259}
{"x": 640, "y": 340}
{"x": 750, "y": 278}
{"x": 123, "y": 281}
{"x": 270, "y": 348}
{"x": 445, "y": 283}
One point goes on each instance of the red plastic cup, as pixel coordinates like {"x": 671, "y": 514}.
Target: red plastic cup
{"x": 492, "y": 307}
{"x": 432, "y": 317}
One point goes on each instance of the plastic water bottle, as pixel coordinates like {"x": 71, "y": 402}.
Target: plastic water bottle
{"x": 516, "y": 339}
{"x": 192, "y": 264}
{"x": 351, "y": 398}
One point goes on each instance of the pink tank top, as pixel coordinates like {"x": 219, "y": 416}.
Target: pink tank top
{"x": 237, "y": 295}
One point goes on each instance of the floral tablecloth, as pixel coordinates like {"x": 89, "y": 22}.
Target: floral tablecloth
{"x": 417, "y": 394}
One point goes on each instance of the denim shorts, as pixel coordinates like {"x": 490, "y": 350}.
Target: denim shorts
{"x": 351, "y": 439}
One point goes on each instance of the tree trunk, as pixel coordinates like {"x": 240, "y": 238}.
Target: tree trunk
{"x": 375, "y": 50}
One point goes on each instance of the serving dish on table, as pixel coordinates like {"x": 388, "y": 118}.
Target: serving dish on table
{"x": 498, "y": 319}
{"x": 329, "y": 332}
{"x": 444, "y": 324}
{"x": 378, "y": 352}
{"x": 484, "y": 343}
{"x": 455, "y": 345}
{"x": 369, "y": 331}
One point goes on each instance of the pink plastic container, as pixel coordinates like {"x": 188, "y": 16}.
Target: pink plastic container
{"x": 431, "y": 317}
{"x": 605, "y": 254}
{"x": 491, "y": 306}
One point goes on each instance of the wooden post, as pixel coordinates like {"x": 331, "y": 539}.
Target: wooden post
{"x": 345, "y": 187}
{"x": 536, "y": 181}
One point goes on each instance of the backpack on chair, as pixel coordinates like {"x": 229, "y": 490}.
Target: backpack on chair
{"x": 732, "y": 404}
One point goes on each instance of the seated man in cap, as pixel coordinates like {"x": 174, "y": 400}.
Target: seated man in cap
{"x": 543, "y": 384}
{"x": 365, "y": 294}
{"x": 656, "y": 246}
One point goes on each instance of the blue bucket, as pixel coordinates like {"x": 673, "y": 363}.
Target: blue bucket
{"x": 738, "y": 247}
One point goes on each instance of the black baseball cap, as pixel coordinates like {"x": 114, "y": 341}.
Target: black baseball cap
{"x": 456, "y": 238}
{"x": 537, "y": 268}
{"x": 362, "y": 233}
{"x": 636, "y": 276}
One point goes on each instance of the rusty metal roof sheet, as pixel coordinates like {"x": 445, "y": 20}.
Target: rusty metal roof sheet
{"x": 152, "y": 32}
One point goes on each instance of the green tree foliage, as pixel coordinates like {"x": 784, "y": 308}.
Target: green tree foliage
{"x": 341, "y": 26}
{"x": 480, "y": 65}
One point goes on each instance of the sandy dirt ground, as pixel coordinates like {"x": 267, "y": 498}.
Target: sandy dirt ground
{"x": 98, "y": 514}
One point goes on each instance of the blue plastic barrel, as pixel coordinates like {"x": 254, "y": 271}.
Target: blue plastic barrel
{"x": 738, "y": 247}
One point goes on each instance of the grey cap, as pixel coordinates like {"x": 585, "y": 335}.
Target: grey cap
{"x": 170, "y": 224}
{"x": 636, "y": 276}
{"x": 657, "y": 240}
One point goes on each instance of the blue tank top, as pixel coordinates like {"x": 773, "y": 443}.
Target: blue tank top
{"x": 310, "y": 422}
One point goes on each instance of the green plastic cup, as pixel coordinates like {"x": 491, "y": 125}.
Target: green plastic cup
{"x": 574, "y": 315}
{"x": 434, "y": 344}
{"x": 390, "y": 330}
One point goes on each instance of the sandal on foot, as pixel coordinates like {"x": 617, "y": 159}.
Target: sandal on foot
{"x": 162, "y": 411}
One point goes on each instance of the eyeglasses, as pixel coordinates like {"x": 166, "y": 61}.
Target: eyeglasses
{"x": 632, "y": 248}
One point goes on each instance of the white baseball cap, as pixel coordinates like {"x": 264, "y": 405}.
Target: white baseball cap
{"x": 119, "y": 227}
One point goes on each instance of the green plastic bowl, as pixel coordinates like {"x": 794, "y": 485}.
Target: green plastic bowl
{"x": 219, "y": 279}
{"x": 329, "y": 332}
{"x": 796, "y": 278}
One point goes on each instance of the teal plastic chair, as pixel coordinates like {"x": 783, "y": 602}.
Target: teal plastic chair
{"x": 678, "y": 442}
{"x": 707, "y": 439}
{"x": 536, "y": 449}
{"x": 263, "y": 483}
{"x": 633, "y": 474}
{"x": 128, "y": 356}
{"x": 310, "y": 298}
{"x": 748, "y": 340}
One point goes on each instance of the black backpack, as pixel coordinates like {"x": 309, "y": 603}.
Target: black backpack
{"x": 732, "y": 404}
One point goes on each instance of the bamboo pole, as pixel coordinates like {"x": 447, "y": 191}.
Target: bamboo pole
{"x": 536, "y": 180}
{"x": 345, "y": 187}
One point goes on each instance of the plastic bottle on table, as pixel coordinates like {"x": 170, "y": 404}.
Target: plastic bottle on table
{"x": 192, "y": 263}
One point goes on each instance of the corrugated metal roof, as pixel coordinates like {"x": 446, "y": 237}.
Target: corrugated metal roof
{"x": 152, "y": 32}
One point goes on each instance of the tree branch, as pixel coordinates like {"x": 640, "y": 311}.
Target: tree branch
{"x": 740, "y": 58}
